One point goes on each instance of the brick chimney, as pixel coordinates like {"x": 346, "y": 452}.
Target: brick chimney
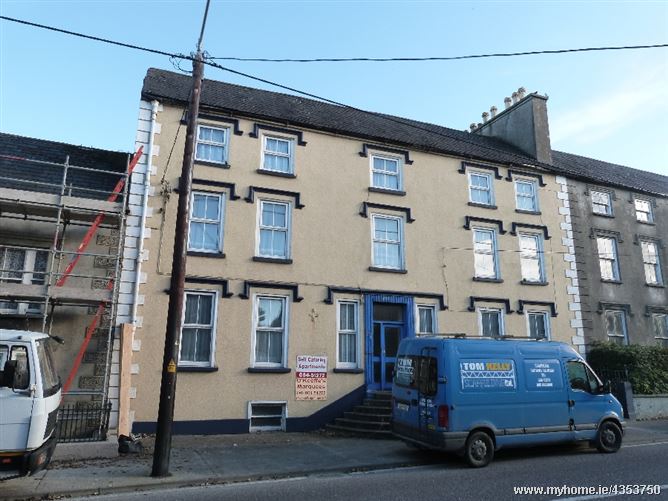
{"x": 523, "y": 124}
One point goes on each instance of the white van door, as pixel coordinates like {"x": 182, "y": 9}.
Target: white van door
{"x": 16, "y": 403}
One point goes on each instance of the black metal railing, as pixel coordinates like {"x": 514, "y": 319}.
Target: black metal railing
{"x": 614, "y": 375}
{"x": 83, "y": 422}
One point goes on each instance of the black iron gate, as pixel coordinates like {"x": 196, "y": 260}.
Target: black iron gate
{"x": 83, "y": 422}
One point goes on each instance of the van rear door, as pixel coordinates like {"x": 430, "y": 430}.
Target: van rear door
{"x": 415, "y": 390}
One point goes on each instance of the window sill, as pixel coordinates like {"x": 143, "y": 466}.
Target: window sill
{"x": 373, "y": 189}
{"x": 387, "y": 270}
{"x": 532, "y": 212}
{"x": 212, "y": 164}
{"x": 194, "y": 368}
{"x": 491, "y": 280}
{"x": 647, "y": 223}
{"x": 658, "y": 286}
{"x": 529, "y": 282}
{"x": 482, "y": 206}
{"x": 269, "y": 370}
{"x": 216, "y": 255}
{"x": 609, "y": 216}
{"x": 615, "y": 282}
{"x": 348, "y": 371}
{"x": 276, "y": 260}
{"x": 276, "y": 173}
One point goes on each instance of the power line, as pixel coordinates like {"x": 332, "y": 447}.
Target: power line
{"x": 98, "y": 39}
{"x": 436, "y": 58}
{"x": 208, "y": 62}
{"x": 258, "y": 79}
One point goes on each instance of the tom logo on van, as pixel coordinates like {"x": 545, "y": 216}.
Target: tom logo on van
{"x": 489, "y": 375}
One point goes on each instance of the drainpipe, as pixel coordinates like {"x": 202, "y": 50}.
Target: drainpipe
{"x": 142, "y": 221}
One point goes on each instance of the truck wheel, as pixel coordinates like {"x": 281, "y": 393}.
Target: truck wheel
{"x": 609, "y": 437}
{"x": 479, "y": 449}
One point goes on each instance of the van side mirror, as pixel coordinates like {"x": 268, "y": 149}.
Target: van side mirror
{"x": 606, "y": 388}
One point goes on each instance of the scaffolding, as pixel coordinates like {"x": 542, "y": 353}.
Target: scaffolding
{"x": 64, "y": 196}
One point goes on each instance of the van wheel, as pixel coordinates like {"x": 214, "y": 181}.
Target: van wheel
{"x": 609, "y": 437}
{"x": 479, "y": 449}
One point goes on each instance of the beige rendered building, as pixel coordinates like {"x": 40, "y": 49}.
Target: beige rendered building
{"x": 323, "y": 231}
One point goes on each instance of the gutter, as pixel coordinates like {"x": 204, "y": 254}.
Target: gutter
{"x": 142, "y": 222}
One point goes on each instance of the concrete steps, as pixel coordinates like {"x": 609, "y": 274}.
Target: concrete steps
{"x": 370, "y": 420}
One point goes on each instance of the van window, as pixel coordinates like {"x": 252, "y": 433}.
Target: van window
{"x": 50, "y": 379}
{"x": 581, "y": 377}
{"x": 427, "y": 376}
{"x": 418, "y": 373}
{"x": 20, "y": 355}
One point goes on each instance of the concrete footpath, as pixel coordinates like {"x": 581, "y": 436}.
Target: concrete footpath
{"x": 214, "y": 459}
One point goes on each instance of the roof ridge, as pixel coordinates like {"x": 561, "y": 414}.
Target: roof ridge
{"x": 63, "y": 143}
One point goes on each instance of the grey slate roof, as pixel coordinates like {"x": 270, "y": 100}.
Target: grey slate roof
{"x": 301, "y": 112}
{"x": 601, "y": 172}
{"x": 21, "y": 174}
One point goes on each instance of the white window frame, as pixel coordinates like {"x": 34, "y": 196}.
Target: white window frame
{"x": 290, "y": 155}
{"x": 220, "y": 222}
{"x": 534, "y": 197}
{"x": 625, "y": 328}
{"x": 399, "y": 175}
{"x": 214, "y": 325}
{"x": 285, "y": 329}
{"x": 434, "y": 323}
{"x": 646, "y": 262}
{"x": 339, "y": 331}
{"x": 224, "y": 144}
{"x": 546, "y": 316}
{"x": 502, "y": 320}
{"x": 540, "y": 257}
{"x": 402, "y": 262}
{"x": 662, "y": 318}
{"x": 608, "y": 206}
{"x": 287, "y": 230}
{"x": 283, "y": 416}
{"x": 494, "y": 254}
{"x": 616, "y": 277}
{"x": 490, "y": 180}
{"x": 650, "y": 211}
{"x": 27, "y": 274}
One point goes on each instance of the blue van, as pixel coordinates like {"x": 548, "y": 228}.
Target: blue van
{"x": 475, "y": 396}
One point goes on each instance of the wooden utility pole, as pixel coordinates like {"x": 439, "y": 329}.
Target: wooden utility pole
{"x": 163, "y": 439}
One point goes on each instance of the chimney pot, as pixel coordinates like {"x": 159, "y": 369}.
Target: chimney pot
{"x": 493, "y": 111}
{"x": 515, "y": 98}
{"x": 473, "y": 127}
{"x": 479, "y": 125}
{"x": 521, "y": 92}
{"x": 485, "y": 116}
{"x": 508, "y": 102}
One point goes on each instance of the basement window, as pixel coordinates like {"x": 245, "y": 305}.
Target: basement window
{"x": 267, "y": 416}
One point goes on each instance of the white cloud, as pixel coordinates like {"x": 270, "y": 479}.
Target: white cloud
{"x": 642, "y": 98}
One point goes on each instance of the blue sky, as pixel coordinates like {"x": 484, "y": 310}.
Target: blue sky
{"x": 607, "y": 105}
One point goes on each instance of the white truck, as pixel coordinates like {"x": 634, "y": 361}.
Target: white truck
{"x": 29, "y": 400}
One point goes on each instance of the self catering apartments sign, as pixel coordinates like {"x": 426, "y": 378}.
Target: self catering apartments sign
{"x": 311, "y": 383}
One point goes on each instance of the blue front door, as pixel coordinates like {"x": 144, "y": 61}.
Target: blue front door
{"x": 386, "y": 337}
{"x": 387, "y": 329}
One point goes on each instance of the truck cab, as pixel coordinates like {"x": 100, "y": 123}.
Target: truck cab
{"x": 29, "y": 400}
